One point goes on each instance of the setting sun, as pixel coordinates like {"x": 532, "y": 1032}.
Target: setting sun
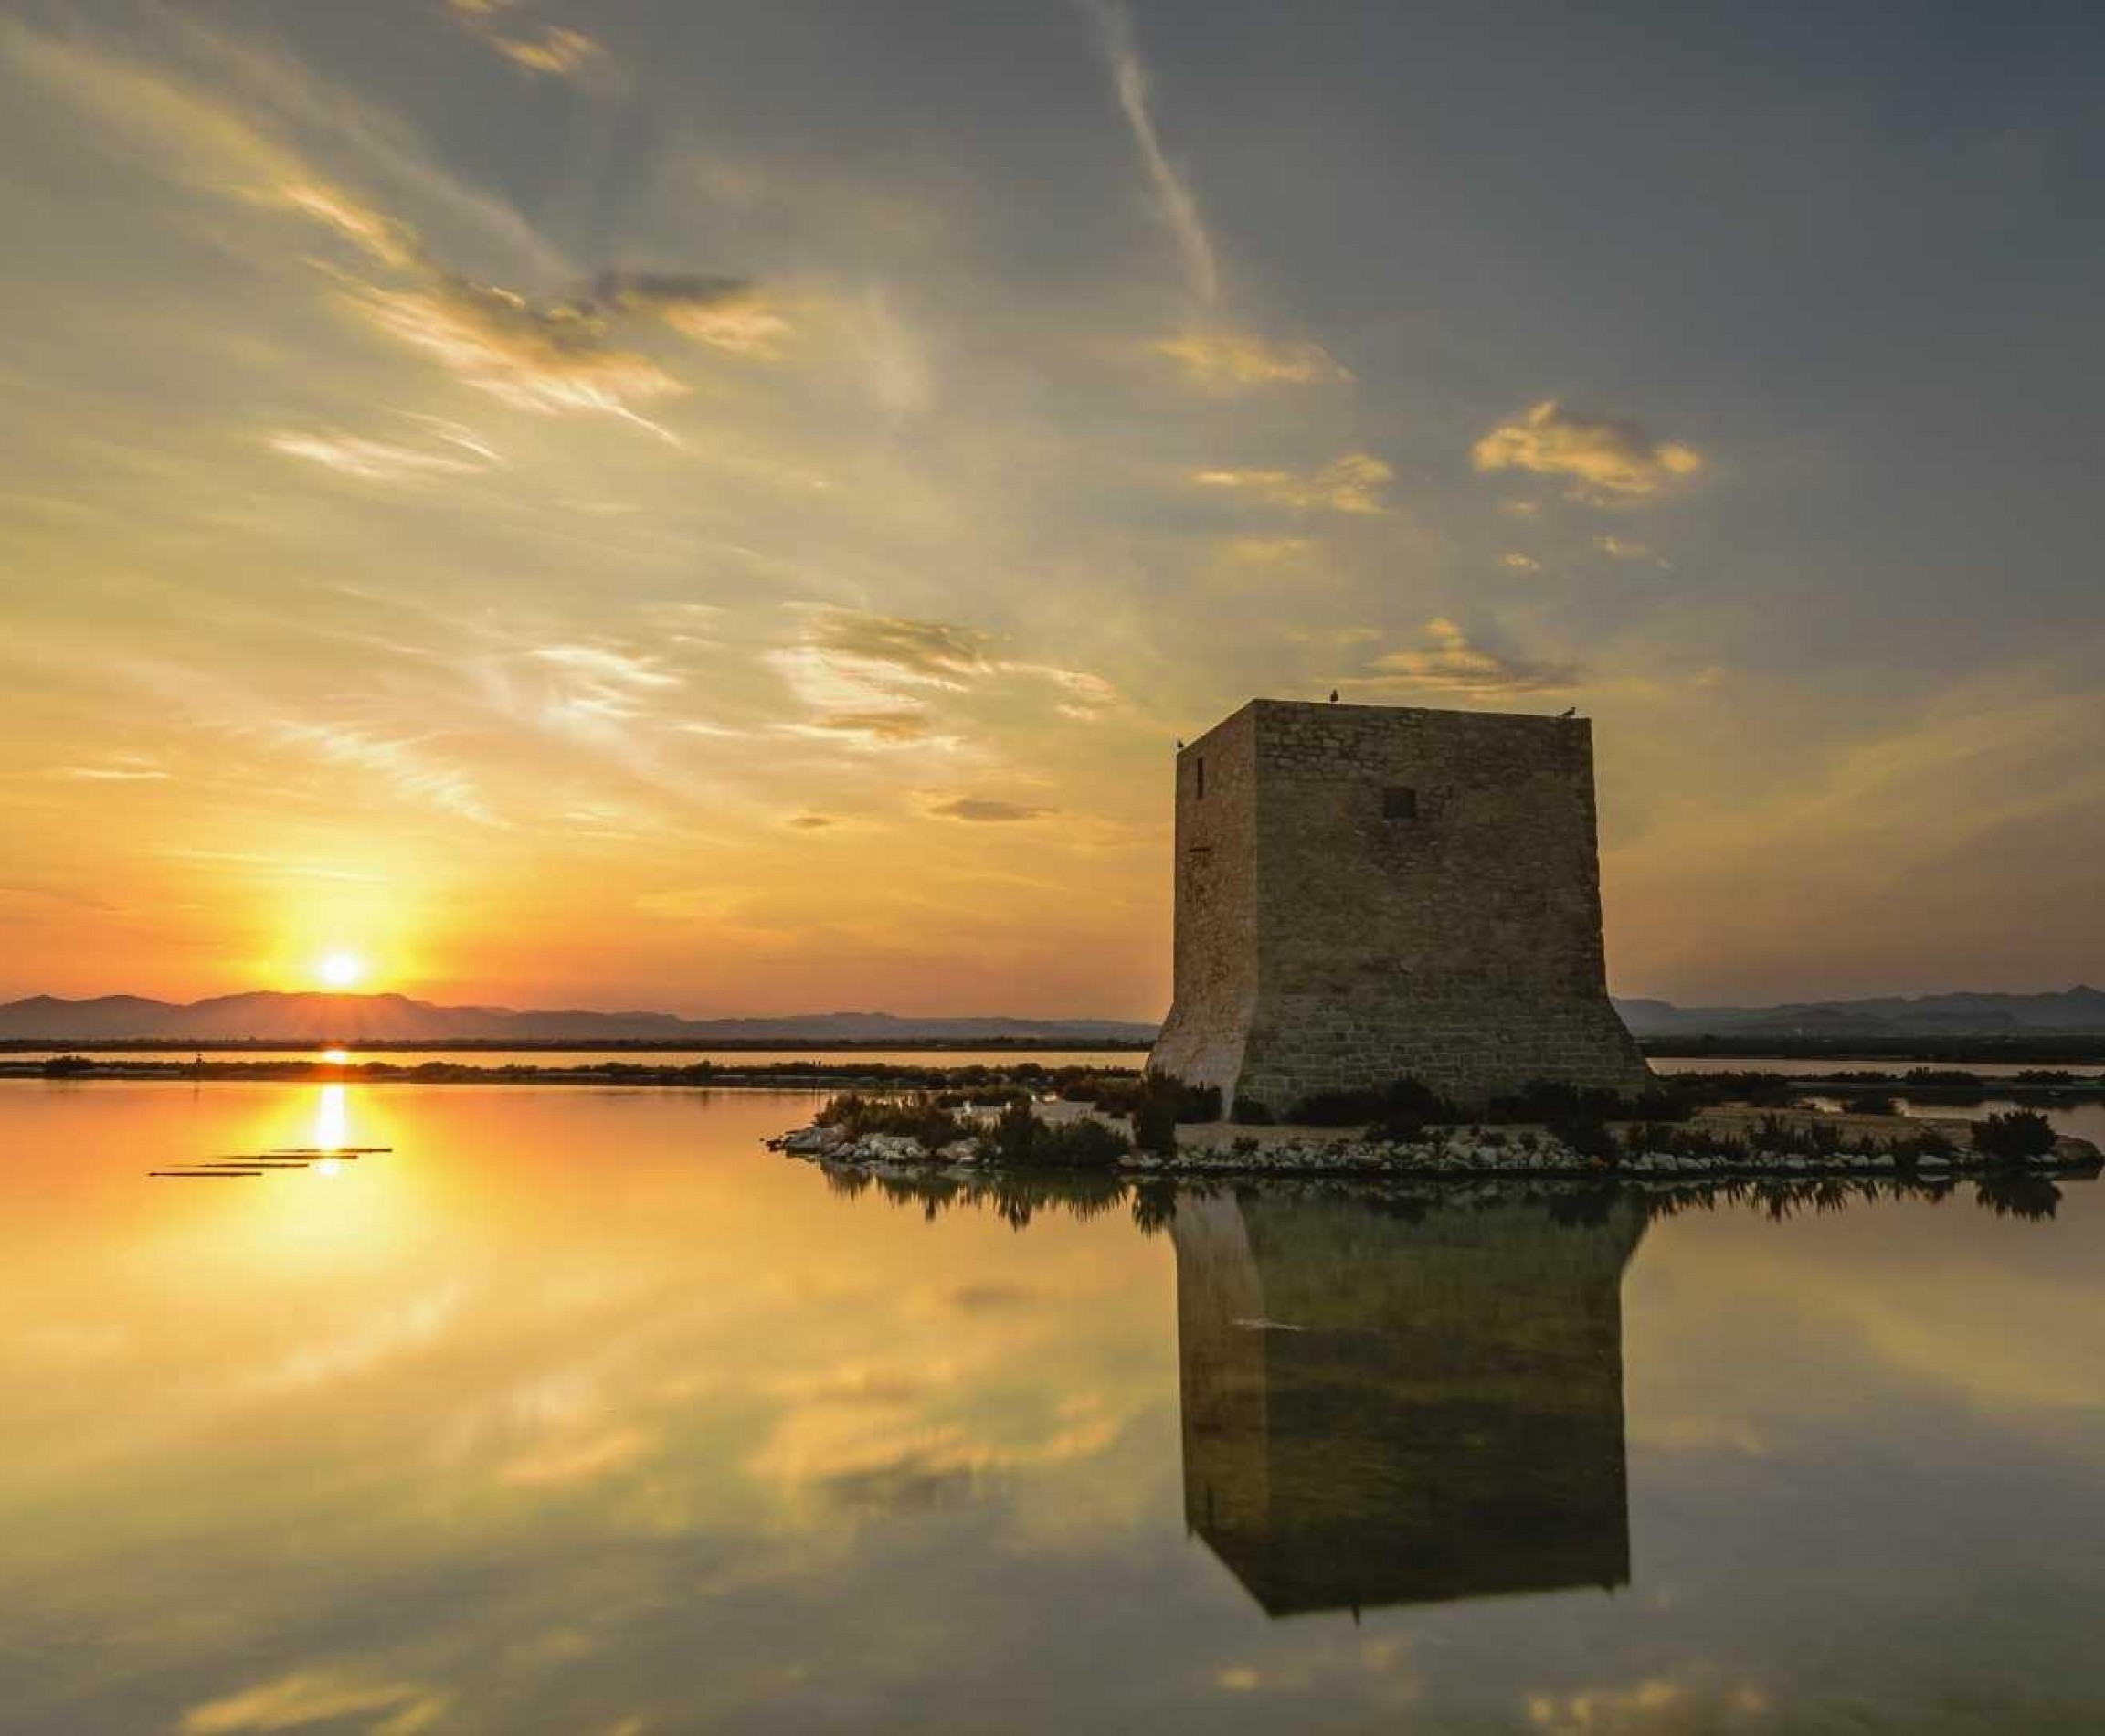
{"x": 341, "y": 970}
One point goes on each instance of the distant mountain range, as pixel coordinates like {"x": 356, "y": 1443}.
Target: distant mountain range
{"x": 301, "y": 1019}
{"x": 2081, "y": 1009}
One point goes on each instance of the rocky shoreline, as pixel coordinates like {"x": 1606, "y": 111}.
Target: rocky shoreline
{"x": 1894, "y": 1148}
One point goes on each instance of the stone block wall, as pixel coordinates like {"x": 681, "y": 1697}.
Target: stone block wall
{"x": 1217, "y": 941}
{"x": 1370, "y": 893}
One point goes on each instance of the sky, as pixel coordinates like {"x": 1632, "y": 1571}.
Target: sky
{"x": 729, "y": 508}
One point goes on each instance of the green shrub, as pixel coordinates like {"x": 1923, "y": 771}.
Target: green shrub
{"x": 1806, "y": 1139}
{"x": 1927, "y": 1142}
{"x": 1161, "y": 1102}
{"x": 1022, "y": 1139}
{"x": 2015, "y": 1136}
{"x": 1693, "y": 1091}
{"x": 1250, "y": 1113}
{"x": 1158, "y": 1103}
{"x": 1015, "y": 1132}
{"x": 918, "y": 1117}
{"x": 1085, "y": 1144}
{"x": 1589, "y": 1139}
{"x": 984, "y": 1096}
{"x": 1871, "y": 1102}
{"x": 1401, "y": 1100}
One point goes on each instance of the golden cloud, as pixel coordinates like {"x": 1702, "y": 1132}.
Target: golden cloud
{"x": 1229, "y": 362}
{"x": 545, "y": 357}
{"x": 537, "y": 47}
{"x": 728, "y": 313}
{"x": 1449, "y": 663}
{"x": 1347, "y": 484}
{"x": 318, "y": 1697}
{"x": 1621, "y": 548}
{"x": 985, "y": 809}
{"x": 931, "y": 653}
{"x": 1603, "y": 459}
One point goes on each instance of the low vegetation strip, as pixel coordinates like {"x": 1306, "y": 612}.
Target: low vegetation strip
{"x": 1162, "y": 1128}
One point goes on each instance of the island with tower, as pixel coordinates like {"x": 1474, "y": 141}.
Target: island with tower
{"x": 1388, "y": 960}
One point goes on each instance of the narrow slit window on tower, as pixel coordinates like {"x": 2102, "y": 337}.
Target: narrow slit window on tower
{"x": 1201, "y": 778}
{"x": 1399, "y": 803}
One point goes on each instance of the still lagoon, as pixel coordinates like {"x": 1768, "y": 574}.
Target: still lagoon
{"x": 576, "y": 1411}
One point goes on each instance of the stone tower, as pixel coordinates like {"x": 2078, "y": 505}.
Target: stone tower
{"x": 1371, "y": 893}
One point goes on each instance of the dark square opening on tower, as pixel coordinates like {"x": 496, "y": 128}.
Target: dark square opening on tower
{"x": 1399, "y": 803}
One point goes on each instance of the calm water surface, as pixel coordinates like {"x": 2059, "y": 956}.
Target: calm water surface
{"x": 580, "y": 1412}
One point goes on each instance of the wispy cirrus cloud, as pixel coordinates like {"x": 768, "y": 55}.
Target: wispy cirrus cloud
{"x": 132, "y": 773}
{"x": 400, "y": 762}
{"x": 457, "y": 453}
{"x": 546, "y": 359}
{"x": 543, "y": 357}
{"x": 381, "y": 237}
{"x": 607, "y": 667}
{"x": 869, "y": 677}
{"x": 1173, "y": 199}
{"x": 1228, "y": 361}
{"x": 1349, "y": 484}
{"x": 1447, "y": 660}
{"x": 929, "y": 653}
{"x": 1603, "y": 460}
{"x": 866, "y": 679}
{"x": 877, "y": 679}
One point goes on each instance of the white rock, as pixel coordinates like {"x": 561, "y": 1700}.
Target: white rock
{"x": 895, "y": 1146}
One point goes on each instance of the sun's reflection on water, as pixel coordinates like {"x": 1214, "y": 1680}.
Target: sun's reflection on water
{"x": 333, "y": 1119}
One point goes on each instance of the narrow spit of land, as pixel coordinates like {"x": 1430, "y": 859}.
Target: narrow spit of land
{"x": 842, "y": 1074}
{"x": 841, "y": 1070}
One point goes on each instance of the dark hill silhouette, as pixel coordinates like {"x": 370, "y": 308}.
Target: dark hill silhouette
{"x": 270, "y": 1017}
{"x": 389, "y": 1018}
{"x": 2081, "y": 1009}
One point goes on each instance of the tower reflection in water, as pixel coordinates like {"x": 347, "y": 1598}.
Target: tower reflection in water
{"x": 1402, "y": 1405}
